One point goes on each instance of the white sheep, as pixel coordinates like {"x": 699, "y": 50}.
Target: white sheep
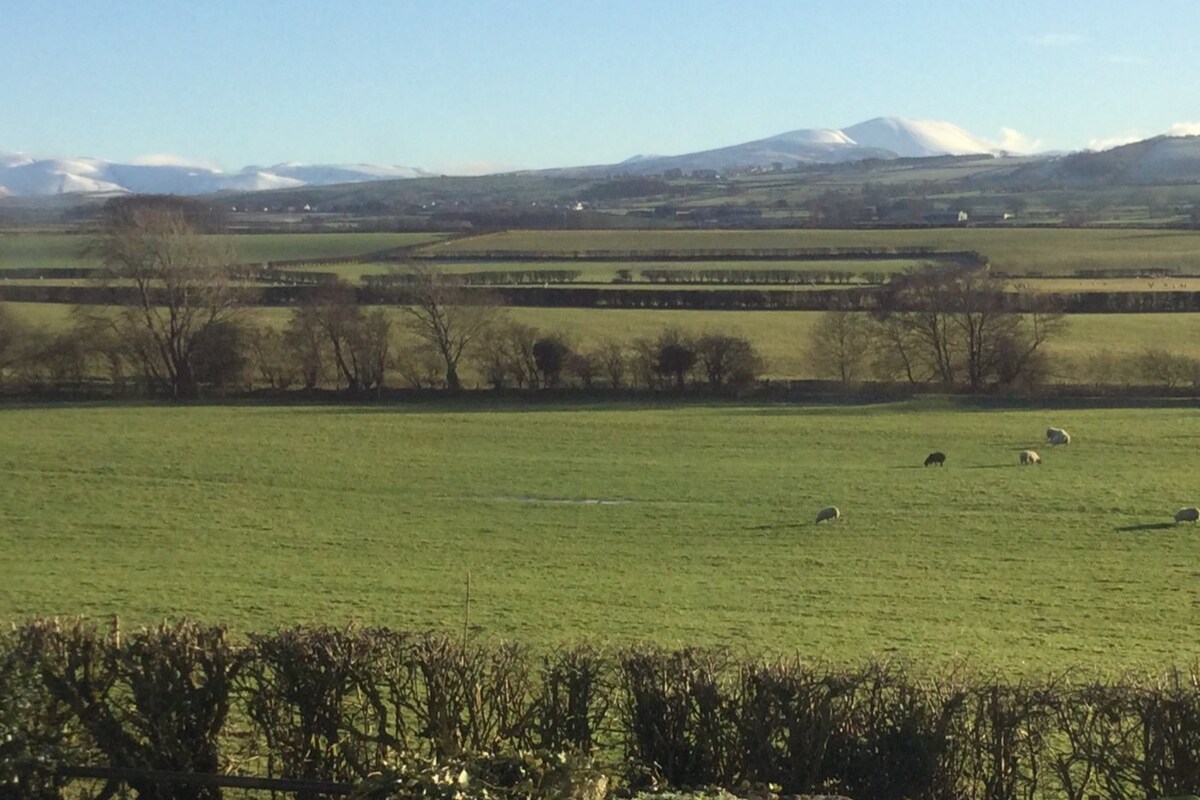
{"x": 1030, "y": 457}
{"x": 1187, "y": 514}
{"x": 1057, "y": 436}
{"x": 829, "y": 512}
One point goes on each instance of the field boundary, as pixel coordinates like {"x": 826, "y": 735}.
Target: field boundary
{"x": 852, "y": 298}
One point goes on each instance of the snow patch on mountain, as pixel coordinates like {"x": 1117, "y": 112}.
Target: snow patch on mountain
{"x": 914, "y": 138}
{"x": 813, "y": 136}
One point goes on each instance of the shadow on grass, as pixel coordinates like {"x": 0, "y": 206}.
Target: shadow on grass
{"x": 782, "y": 526}
{"x": 1146, "y": 526}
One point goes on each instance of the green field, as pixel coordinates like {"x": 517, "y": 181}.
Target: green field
{"x": 1020, "y": 250}
{"x": 68, "y": 250}
{"x": 1049, "y": 251}
{"x": 680, "y": 524}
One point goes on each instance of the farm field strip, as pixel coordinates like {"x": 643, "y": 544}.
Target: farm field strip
{"x": 678, "y": 524}
{"x": 69, "y": 250}
{"x": 1016, "y": 250}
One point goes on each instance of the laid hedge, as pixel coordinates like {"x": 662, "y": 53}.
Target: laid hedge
{"x": 365, "y": 705}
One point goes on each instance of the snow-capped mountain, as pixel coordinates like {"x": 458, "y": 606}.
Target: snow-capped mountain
{"x": 882, "y": 137}
{"x": 21, "y": 175}
{"x": 913, "y": 138}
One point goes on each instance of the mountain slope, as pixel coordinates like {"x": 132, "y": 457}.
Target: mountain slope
{"x": 882, "y": 137}
{"x": 1160, "y": 160}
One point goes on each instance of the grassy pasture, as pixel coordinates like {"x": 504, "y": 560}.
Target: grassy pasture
{"x": 67, "y": 250}
{"x": 680, "y": 524}
{"x": 1051, "y": 251}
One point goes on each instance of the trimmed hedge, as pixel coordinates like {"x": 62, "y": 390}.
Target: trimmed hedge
{"x": 333, "y": 704}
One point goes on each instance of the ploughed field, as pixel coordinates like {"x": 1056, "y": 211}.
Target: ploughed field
{"x": 684, "y": 524}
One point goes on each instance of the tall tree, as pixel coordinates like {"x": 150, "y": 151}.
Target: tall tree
{"x": 181, "y": 287}
{"x": 357, "y": 342}
{"x": 956, "y": 321}
{"x": 840, "y": 344}
{"x": 445, "y": 314}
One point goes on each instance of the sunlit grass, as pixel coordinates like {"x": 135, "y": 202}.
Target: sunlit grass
{"x": 681, "y": 524}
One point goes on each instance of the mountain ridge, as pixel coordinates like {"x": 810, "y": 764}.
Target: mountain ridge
{"x": 881, "y": 138}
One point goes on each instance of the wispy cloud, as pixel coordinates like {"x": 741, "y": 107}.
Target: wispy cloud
{"x": 1056, "y": 39}
{"x": 169, "y": 160}
{"x": 1184, "y": 129}
{"x": 1013, "y": 141}
{"x": 1109, "y": 142}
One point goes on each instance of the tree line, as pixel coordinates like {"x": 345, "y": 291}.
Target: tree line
{"x": 181, "y": 324}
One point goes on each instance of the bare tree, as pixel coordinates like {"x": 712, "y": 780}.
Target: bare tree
{"x": 840, "y": 344}
{"x": 358, "y": 341}
{"x": 894, "y": 351}
{"x": 613, "y": 358}
{"x": 585, "y": 368}
{"x": 419, "y": 365}
{"x": 728, "y": 360}
{"x": 447, "y": 316}
{"x": 181, "y": 286}
{"x": 14, "y": 339}
{"x": 505, "y": 356}
{"x": 272, "y": 360}
{"x": 956, "y": 322}
{"x": 304, "y": 339}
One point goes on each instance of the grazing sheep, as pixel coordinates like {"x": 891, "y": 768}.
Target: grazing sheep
{"x": 935, "y": 458}
{"x": 1030, "y": 457}
{"x": 1187, "y": 514}
{"x": 1057, "y": 436}
{"x": 830, "y": 512}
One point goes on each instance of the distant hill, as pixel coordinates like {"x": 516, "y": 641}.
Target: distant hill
{"x": 1161, "y": 160}
{"x": 27, "y": 177}
{"x": 883, "y": 137}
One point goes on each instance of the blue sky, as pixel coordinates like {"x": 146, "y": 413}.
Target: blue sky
{"x": 468, "y": 85}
